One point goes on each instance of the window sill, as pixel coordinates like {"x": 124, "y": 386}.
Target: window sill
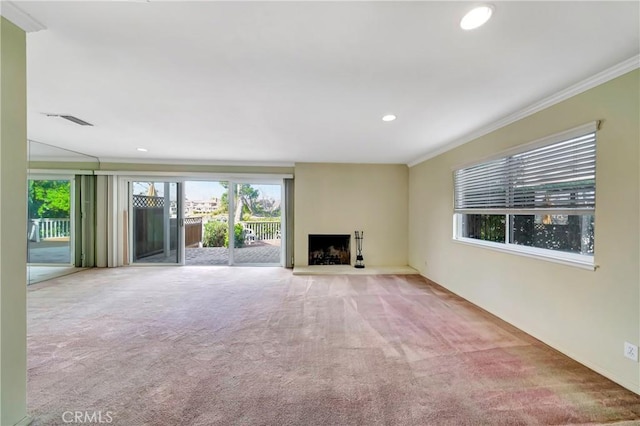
{"x": 569, "y": 259}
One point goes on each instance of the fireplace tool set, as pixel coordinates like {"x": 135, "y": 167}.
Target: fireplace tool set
{"x": 359, "y": 259}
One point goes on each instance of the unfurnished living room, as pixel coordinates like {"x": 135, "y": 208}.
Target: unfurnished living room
{"x": 319, "y": 213}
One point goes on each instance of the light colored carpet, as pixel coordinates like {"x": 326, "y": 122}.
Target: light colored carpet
{"x": 259, "y": 346}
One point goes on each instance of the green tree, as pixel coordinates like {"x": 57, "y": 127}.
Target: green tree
{"x": 49, "y": 198}
{"x": 246, "y": 201}
{"x": 223, "y": 208}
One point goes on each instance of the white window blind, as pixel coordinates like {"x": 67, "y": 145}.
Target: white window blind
{"x": 556, "y": 177}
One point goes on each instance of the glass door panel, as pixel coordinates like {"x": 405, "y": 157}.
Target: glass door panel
{"x": 257, "y": 224}
{"x": 206, "y": 223}
{"x": 154, "y": 222}
{"x": 50, "y": 229}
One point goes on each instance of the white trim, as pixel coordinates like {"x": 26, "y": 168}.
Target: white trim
{"x": 584, "y": 129}
{"x": 72, "y": 221}
{"x": 20, "y": 18}
{"x": 182, "y": 242}
{"x": 128, "y": 244}
{"x": 570, "y": 259}
{"x": 196, "y": 175}
{"x": 62, "y": 159}
{"x": 231, "y": 225}
{"x": 60, "y": 172}
{"x": 283, "y": 225}
{"x": 163, "y": 162}
{"x": 589, "y": 83}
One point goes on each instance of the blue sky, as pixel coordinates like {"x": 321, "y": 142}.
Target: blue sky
{"x": 200, "y": 190}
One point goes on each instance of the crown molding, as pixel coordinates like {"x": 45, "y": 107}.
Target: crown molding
{"x": 19, "y": 17}
{"x": 589, "y": 83}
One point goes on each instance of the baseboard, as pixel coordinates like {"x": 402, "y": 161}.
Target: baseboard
{"x": 350, "y": 270}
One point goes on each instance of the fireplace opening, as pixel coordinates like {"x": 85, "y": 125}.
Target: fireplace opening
{"x": 325, "y": 249}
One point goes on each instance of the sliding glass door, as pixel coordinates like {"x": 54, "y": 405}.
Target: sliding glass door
{"x": 155, "y": 222}
{"x": 257, "y": 224}
{"x": 204, "y": 222}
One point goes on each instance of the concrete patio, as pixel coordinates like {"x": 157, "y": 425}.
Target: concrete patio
{"x": 260, "y": 252}
{"x": 49, "y": 252}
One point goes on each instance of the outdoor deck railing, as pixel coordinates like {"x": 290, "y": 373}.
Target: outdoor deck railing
{"x": 264, "y": 230}
{"x": 47, "y": 228}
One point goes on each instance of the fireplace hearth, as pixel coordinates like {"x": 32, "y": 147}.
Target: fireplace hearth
{"x": 329, "y": 249}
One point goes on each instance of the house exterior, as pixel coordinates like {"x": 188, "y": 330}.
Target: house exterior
{"x": 199, "y": 207}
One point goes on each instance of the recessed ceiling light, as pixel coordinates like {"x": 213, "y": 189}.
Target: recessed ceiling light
{"x": 389, "y": 117}
{"x": 476, "y": 17}
{"x": 142, "y": 149}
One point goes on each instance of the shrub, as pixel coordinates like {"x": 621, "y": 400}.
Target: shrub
{"x": 215, "y": 234}
{"x": 238, "y": 237}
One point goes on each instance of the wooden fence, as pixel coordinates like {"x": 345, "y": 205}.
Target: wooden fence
{"x": 192, "y": 231}
{"x": 149, "y": 232}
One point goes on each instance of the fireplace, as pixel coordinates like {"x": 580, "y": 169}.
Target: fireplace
{"x": 329, "y": 249}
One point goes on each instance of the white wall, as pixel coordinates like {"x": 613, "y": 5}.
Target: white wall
{"x": 585, "y": 314}
{"x": 13, "y": 224}
{"x": 343, "y": 198}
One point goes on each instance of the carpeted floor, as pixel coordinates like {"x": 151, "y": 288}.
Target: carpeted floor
{"x": 259, "y": 346}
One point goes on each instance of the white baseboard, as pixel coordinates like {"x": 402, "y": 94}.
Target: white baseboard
{"x": 350, "y": 270}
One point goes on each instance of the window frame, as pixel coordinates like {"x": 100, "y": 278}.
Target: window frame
{"x": 584, "y": 261}
{"x": 572, "y": 259}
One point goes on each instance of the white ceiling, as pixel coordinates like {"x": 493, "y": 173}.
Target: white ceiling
{"x": 279, "y": 82}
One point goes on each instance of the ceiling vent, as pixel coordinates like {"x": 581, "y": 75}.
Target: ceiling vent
{"x": 72, "y": 119}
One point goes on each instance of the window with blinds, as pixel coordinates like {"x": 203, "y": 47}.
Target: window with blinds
{"x": 538, "y": 199}
{"x": 553, "y": 178}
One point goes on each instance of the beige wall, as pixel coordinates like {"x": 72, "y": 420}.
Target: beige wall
{"x": 585, "y": 314}
{"x": 343, "y": 198}
{"x": 13, "y": 224}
